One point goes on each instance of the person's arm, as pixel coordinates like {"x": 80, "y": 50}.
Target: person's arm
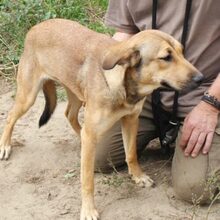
{"x": 119, "y": 18}
{"x": 199, "y": 126}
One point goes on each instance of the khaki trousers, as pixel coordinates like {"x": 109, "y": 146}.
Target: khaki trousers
{"x": 192, "y": 177}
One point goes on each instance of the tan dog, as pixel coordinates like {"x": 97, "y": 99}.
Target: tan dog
{"x": 111, "y": 78}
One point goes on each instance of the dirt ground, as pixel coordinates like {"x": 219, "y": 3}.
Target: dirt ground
{"x": 41, "y": 179}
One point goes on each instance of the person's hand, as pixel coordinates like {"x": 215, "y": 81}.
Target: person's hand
{"x": 120, "y": 36}
{"x": 198, "y": 129}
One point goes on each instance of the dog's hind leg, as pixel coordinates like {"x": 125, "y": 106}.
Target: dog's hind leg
{"x": 28, "y": 86}
{"x": 72, "y": 111}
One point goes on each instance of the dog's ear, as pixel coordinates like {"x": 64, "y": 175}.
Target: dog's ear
{"x": 126, "y": 57}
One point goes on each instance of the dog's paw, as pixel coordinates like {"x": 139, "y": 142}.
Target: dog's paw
{"x": 143, "y": 181}
{"x": 5, "y": 151}
{"x": 89, "y": 214}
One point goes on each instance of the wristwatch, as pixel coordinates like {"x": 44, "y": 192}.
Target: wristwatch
{"x": 212, "y": 100}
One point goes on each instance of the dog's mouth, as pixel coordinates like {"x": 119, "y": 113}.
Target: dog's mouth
{"x": 166, "y": 85}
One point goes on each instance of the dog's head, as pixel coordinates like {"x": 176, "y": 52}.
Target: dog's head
{"x": 158, "y": 60}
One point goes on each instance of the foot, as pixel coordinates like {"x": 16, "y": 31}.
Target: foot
{"x": 5, "y": 151}
{"x": 143, "y": 180}
{"x": 89, "y": 214}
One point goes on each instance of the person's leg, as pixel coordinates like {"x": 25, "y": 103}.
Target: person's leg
{"x": 196, "y": 179}
{"x": 110, "y": 151}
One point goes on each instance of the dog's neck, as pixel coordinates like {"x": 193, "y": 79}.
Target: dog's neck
{"x": 115, "y": 82}
{"x": 124, "y": 85}
{"x": 132, "y": 87}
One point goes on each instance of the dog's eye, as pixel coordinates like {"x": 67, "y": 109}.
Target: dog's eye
{"x": 167, "y": 58}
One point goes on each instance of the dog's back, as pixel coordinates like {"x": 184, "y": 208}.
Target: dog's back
{"x": 56, "y": 32}
{"x": 70, "y": 42}
{"x": 58, "y": 50}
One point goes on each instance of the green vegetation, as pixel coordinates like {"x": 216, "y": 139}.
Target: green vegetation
{"x": 17, "y": 16}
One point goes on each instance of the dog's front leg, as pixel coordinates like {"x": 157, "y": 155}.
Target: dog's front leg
{"x": 129, "y": 133}
{"x": 88, "y": 138}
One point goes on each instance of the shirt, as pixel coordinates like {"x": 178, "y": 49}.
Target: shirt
{"x": 203, "y": 39}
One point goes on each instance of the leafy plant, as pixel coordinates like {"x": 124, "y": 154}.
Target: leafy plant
{"x": 18, "y": 16}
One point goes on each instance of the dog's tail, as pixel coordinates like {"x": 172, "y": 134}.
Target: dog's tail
{"x": 49, "y": 90}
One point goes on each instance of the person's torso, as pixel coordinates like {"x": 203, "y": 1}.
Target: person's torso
{"x": 203, "y": 36}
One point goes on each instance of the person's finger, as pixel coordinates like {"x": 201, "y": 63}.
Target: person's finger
{"x": 192, "y": 142}
{"x": 186, "y": 133}
{"x": 199, "y": 144}
{"x": 208, "y": 143}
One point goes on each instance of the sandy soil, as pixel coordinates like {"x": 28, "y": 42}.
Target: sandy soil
{"x": 41, "y": 179}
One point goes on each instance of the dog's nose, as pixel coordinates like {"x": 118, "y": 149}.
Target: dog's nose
{"x": 194, "y": 83}
{"x": 198, "y": 78}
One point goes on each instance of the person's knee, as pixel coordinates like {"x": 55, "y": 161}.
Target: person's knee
{"x": 102, "y": 167}
{"x": 194, "y": 191}
{"x": 104, "y": 163}
{"x": 189, "y": 177}
{"x": 110, "y": 154}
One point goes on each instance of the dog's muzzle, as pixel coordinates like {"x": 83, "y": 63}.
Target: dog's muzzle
{"x": 194, "y": 83}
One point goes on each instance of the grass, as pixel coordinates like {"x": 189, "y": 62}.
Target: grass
{"x": 61, "y": 94}
{"x": 18, "y": 16}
